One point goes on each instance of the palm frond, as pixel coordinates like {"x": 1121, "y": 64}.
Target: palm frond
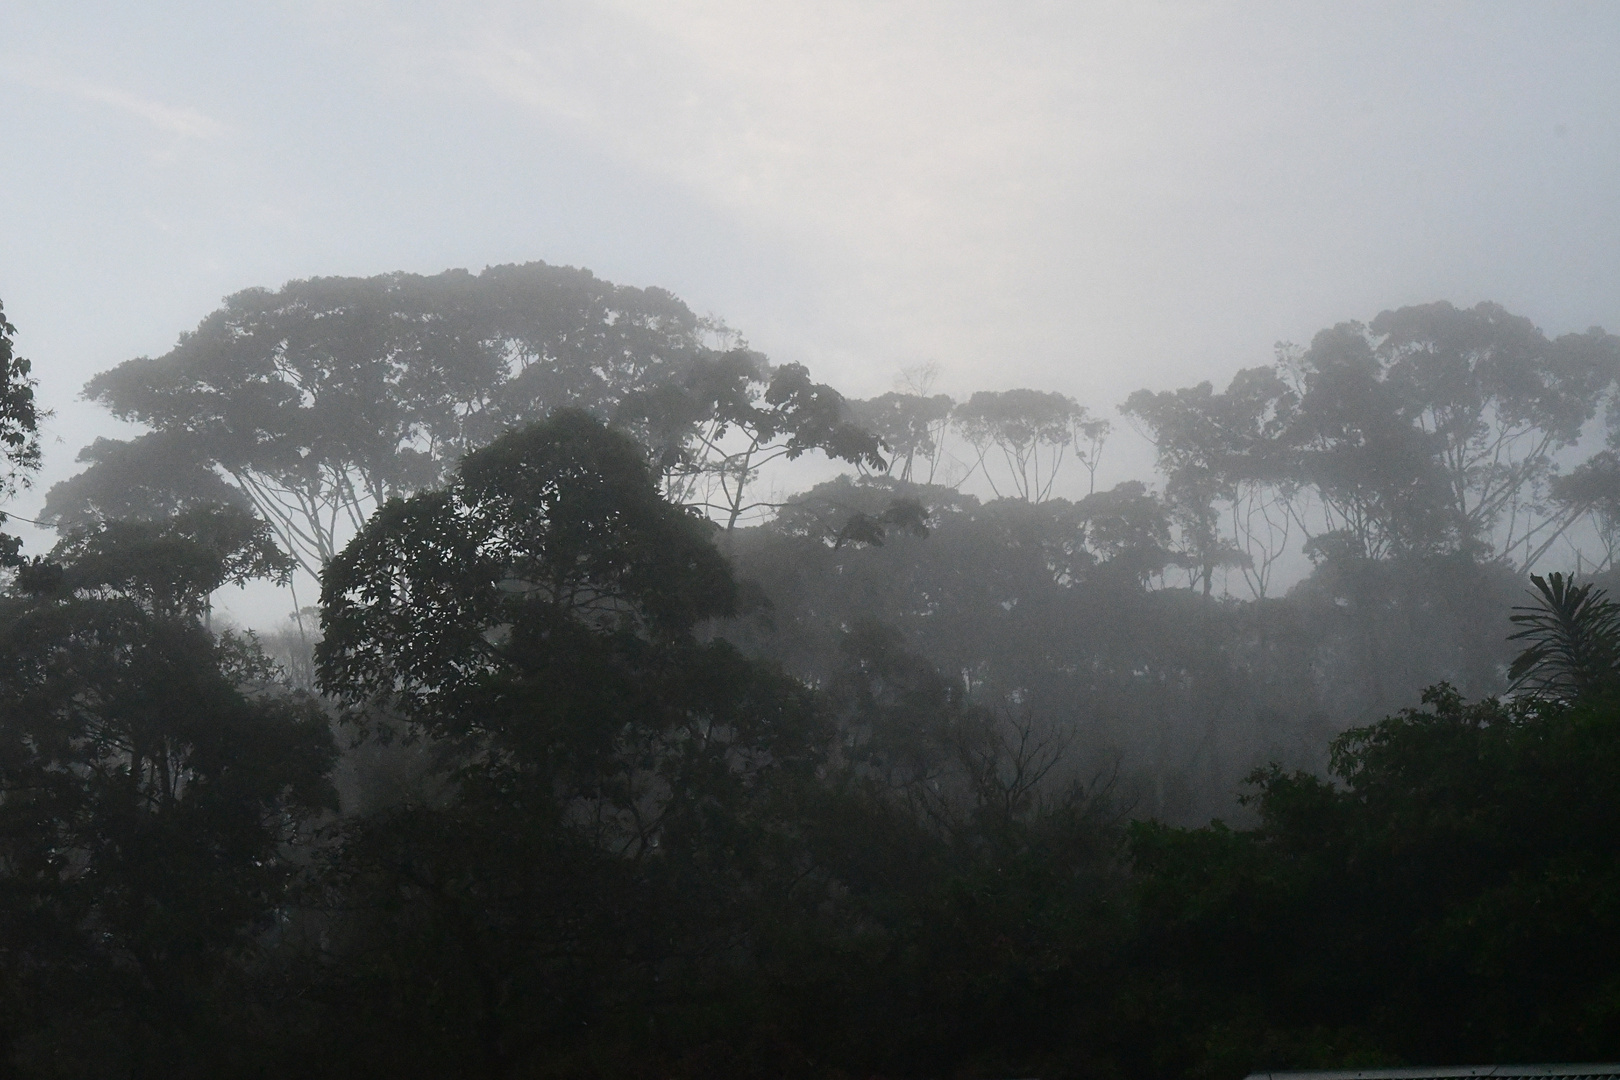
{"x": 1573, "y": 636}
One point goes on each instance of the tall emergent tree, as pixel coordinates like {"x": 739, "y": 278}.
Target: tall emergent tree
{"x": 607, "y": 768}
{"x": 1033, "y": 430}
{"x": 1430, "y": 430}
{"x": 1230, "y": 465}
{"x": 1592, "y": 489}
{"x": 1434, "y": 428}
{"x": 711, "y": 429}
{"x": 913, "y": 428}
{"x": 322, "y": 400}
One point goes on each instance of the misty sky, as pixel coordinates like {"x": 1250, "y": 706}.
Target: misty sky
{"x": 1083, "y": 197}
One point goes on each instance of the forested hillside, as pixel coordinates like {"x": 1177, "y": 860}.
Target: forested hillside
{"x": 597, "y": 757}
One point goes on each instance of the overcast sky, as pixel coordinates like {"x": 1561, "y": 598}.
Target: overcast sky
{"x": 1083, "y": 197}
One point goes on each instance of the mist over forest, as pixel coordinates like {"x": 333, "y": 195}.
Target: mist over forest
{"x": 589, "y": 750}
{"x": 820, "y": 540}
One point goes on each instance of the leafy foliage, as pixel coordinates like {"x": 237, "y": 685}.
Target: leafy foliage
{"x": 322, "y": 400}
{"x": 19, "y": 416}
{"x": 844, "y": 793}
{"x": 1453, "y": 900}
{"x": 711, "y": 431}
{"x": 1573, "y": 636}
{"x": 1033, "y": 430}
{"x": 150, "y": 784}
{"x": 148, "y": 478}
{"x": 535, "y": 622}
{"x": 1235, "y": 448}
{"x": 19, "y": 428}
{"x": 912, "y": 427}
{"x": 170, "y": 567}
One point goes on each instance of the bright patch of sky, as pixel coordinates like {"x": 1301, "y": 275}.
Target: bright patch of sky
{"x": 1087, "y": 197}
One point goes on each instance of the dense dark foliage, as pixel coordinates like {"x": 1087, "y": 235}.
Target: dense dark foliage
{"x": 598, "y": 771}
{"x": 1451, "y": 898}
{"x": 156, "y": 788}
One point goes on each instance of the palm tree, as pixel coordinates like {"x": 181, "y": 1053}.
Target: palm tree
{"x": 1573, "y": 635}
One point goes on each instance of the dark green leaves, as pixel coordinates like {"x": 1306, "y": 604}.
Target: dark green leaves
{"x": 152, "y": 779}
{"x": 171, "y": 566}
{"x": 555, "y": 528}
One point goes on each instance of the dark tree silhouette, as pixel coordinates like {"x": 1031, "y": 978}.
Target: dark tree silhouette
{"x": 151, "y": 781}
{"x": 19, "y": 425}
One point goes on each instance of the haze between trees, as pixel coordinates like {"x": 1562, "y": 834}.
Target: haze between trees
{"x": 603, "y": 779}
